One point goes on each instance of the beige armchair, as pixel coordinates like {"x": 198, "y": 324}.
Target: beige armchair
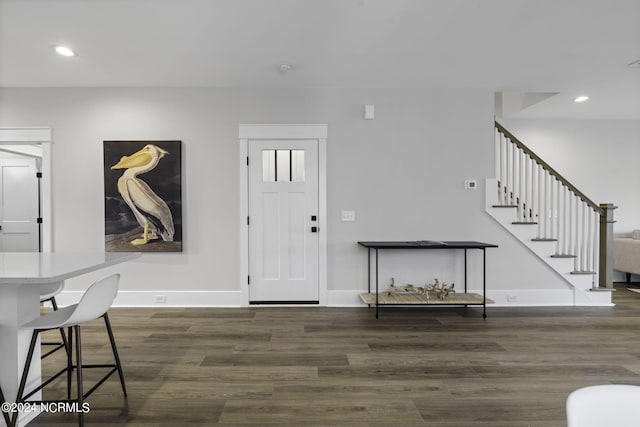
{"x": 626, "y": 256}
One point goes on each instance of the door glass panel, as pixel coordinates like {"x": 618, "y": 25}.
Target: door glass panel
{"x": 283, "y": 165}
{"x": 268, "y": 165}
{"x": 297, "y": 165}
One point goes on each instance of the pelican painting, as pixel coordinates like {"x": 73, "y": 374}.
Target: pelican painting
{"x": 142, "y": 198}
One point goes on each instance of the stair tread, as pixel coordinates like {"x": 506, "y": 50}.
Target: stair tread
{"x": 579, "y": 272}
{"x": 563, "y": 256}
{"x": 543, "y": 239}
{"x": 523, "y": 223}
{"x": 504, "y": 206}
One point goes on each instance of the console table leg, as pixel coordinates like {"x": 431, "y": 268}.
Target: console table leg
{"x": 377, "y": 302}
{"x": 465, "y": 270}
{"x": 484, "y": 284}
{"x": 369, "y": 270}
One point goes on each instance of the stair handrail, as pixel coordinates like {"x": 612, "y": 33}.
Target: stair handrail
{"x": 549, "y": 169}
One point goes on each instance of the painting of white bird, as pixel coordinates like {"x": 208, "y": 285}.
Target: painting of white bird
{"x": 140, "y": 218}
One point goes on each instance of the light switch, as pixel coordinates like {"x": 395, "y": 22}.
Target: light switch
{"x": 471, "y": 184}
{"x": 369, "y": 112}
{"x": 348, "y": 216}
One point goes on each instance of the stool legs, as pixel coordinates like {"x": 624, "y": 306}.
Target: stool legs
{"x": 79, "y": 376}
{"x": 74, "y": 339}
{"x": 69, "y": 361}
{"x": 7, "y": 420}
{"x": 114, "y": 349}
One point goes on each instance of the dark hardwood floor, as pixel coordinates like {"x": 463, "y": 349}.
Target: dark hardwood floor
{"x": 316, "y": 366}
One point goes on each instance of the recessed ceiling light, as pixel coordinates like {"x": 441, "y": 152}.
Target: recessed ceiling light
{"x": 64, "y": 51}
{"x": 284, "y": 68}
{"x": 581, "y": 98}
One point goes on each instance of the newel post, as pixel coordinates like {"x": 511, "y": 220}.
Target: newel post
{"x": 606, "y": 245}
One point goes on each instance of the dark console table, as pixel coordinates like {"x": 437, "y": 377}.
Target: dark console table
{"x": 459, "y": 299}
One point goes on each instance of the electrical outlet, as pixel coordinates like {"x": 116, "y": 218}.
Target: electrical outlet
{"x": 512, "y": 298}
{"x": 347, "y": 216}
{"x": 161, "y": 299}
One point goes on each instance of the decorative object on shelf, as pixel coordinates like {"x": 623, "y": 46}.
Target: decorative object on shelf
{"x": 440, "y": 291}
{"x": 407, "y": 289}
{"x": 143, "y": 215}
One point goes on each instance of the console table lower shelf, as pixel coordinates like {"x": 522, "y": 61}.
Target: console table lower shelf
{"x": 417, "y": 299}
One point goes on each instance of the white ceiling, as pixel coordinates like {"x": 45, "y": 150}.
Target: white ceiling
{"x": 566, "y": 46}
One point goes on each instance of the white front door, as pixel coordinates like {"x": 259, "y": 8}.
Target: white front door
{"x": 283, "y": 221}
{"x": 19, "y": 230}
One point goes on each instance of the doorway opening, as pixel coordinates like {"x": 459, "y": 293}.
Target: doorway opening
{"x": 27, "y": 151}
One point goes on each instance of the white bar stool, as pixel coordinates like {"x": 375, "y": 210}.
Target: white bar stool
{"x": 94, "y": 304}
{"x": 604, "y": 405}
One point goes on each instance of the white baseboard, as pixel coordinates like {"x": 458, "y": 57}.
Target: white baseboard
{"x": 171, "y": 298}
{"x": 198, "y": 298}
{"x": 351, "y": 298}
{"x": 548, "y": 298}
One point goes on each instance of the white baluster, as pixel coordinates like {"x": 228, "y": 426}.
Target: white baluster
{"x": 578, "y": 238}
{"x": 566, "y": 225}
{"x": 505, "y": 147}
{"x": 589, "y": 237}
{"x": 500, "y": 169}
{"x": 573, "y": 231}
{"x": 583, "y": 236}
{"x": 496, "y": 153}
{"x": 525, "y": 185}
{"x": 596, "y": 247}
{"x": 538, "y": 200}
{"x": 521, "y": 172}
{"x": 553, "y": 230}
{"x": 532, "y": 200}
{"x": 560, "y": 211}
{"x": 548, "y": 210}
{"x": 540, "y": 206}
{"x": 514, "y": 173}
{"x": 571, "y": 250}
{"x": 559, "y": 229}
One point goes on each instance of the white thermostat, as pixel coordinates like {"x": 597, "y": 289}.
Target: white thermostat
{"x": 471, "y": 184}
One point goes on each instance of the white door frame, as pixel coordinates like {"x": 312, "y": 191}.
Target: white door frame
{"x": 280, "y": 132}
{"x": 42, "y": 136}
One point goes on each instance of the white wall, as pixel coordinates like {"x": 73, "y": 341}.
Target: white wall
{"x": 403, "y": 173}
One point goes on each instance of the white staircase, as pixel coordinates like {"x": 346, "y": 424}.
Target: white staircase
{"x": 549, "y": 216}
